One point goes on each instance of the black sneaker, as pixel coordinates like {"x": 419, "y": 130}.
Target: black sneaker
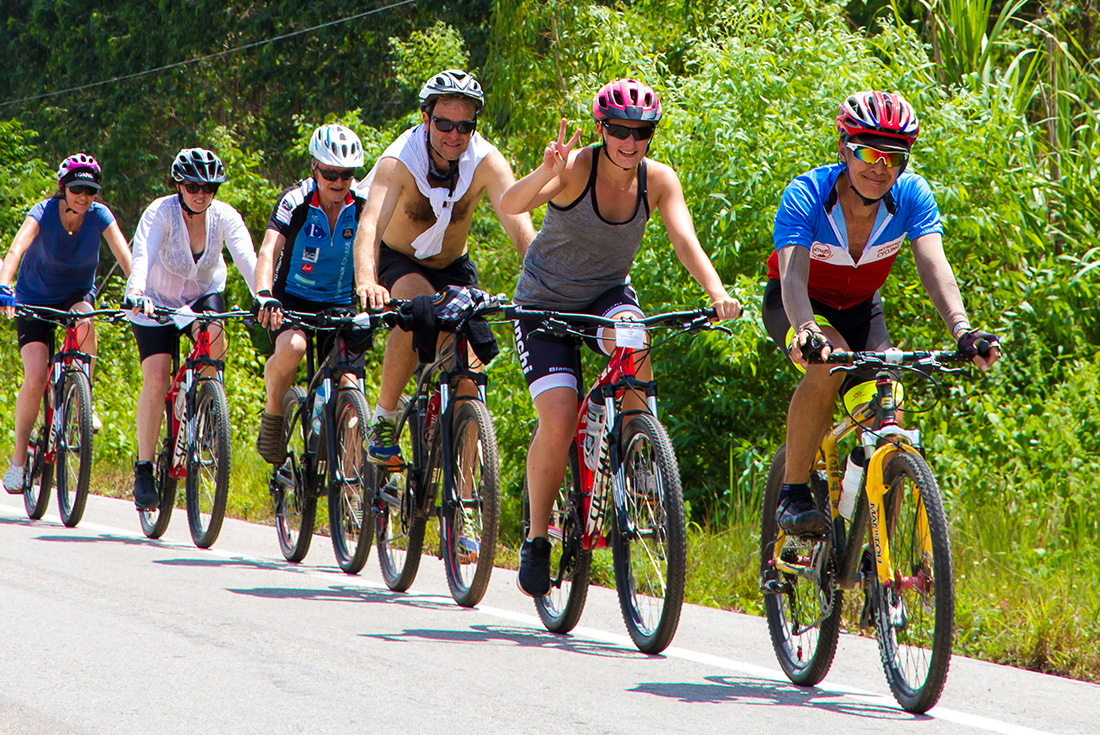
{"x": 533, "y": 579}
{"x": 146, "y": 496}
{"x": 797, "y": 514}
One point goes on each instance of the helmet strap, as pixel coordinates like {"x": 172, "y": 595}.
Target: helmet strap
{"x": 607, "y": 155}
{"x": 450, "y": 178}
{"x": 183, "y": 203}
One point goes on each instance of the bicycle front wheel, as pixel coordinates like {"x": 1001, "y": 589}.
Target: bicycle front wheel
{"x": 914, "y": 616}
{"x": 155, "y": 522}
{"x": 471, "y": 508}
{"x": 803, "y": 617}
{"x": 649, "y": 541}
{"x": 208, "y": 465}
{"x": 402, "y": 510}
{"x": 293, "y": 482}
{"x": 570, "y": 562}
{"x": 348, "y": 499}
{"x": 74, "y": 448}
{"x": 36, "y": 492}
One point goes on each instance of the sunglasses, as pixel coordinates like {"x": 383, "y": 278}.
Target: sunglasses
{"x": 193, "y": 188}
{"x": 622, "y": 132}
{"x": 870, "y": 155}
{"x": 329, "y": 174}
{"x": 443, "y": 125}
{"x": 89, "y": 190}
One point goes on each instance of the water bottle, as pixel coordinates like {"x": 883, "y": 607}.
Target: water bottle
{"x": 849, "y": 486}
{"x": 180, "y": 404}
{"x": 320, "y": 398}
{"x": 592, "y": 433}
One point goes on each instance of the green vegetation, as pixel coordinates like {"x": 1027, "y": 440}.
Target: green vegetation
{"x": 1009, "y": 103}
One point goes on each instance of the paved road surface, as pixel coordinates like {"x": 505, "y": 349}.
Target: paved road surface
{"x": 105, "y": 631}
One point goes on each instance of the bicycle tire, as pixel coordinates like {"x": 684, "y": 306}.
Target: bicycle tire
{"x": 915, "y": 626}
{"x": 402, "y": 512}
{"x": 36, "y": 498}
{"x": 209, "y": 464}
{"x": 805, "y": 652}
{"x": 294, "y": 482}
{"x": 570, "y": 562}
{"x": 349, "y": 517}
{"x": 73, "y": 461}
{"x": 651, "y": 556}
{"x": 155, "y": 522}
{"x": 469, "y": 524}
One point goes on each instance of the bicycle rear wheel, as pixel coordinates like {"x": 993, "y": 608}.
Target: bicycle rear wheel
{"x": 294, "y": 481}
{"x": 74, "y": 447}
{"x": 570, "y": 562}
{"x": 155, "y": 522}
{"x": 914, "y": 616}
{"x": 349, "y": 499}
{"x": 471, "y": 509}
{"x": 804, "y": 641}
{"x": 208, "y": 465}
{"x": 650, "y": 552}
{"x": 402, "y": 510}
{"x": 36, "y": 492}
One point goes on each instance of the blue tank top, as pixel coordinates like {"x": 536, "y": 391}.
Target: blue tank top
{"x": 58, "y": 265}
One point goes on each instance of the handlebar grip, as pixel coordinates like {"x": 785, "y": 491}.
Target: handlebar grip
{"x": 811, "y": 351}
{"x": 983, "y": 347}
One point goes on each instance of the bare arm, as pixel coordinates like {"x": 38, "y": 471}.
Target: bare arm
{"x": 384, "y": 194}
{"x": 117, "y": 242}
{"x": 681, "y": 231}
{"x": 545, "y": 182}
{"x": 501, "y": 180}
{"x": 19, "y": 246}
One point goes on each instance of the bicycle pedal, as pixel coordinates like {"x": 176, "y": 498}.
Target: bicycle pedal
{"x": 774, "y": 587}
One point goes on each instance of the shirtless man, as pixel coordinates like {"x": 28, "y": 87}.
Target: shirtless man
{"x": 411, "y": 239}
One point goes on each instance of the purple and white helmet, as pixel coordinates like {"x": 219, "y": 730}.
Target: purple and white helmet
{"x": 80, "y": 168}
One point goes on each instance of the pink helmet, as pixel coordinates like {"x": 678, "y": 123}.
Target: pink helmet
{"x": 878, "y": 113}
{"x": 79, "y": 166}
{"x": 626, "y": 99}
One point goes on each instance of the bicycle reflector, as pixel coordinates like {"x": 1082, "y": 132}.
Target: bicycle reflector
{"x": 862, "y": 393}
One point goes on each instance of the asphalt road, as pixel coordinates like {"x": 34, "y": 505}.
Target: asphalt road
{"x": 105, "y": 631}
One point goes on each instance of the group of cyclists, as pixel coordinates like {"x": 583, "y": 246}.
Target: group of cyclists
{"x": 402, "y": 231}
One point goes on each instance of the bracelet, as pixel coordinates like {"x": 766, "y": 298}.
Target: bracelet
{"x": 959, "y": 328}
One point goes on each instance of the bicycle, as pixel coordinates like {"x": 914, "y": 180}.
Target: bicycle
{"x": 194, "y": 436}
{"x": 905, "y": 572}
{"x": 447, "y": 437}
{"x": 630, "y": 455}
{"x": 326, "y": 437}
{"x": 60, "y": 445}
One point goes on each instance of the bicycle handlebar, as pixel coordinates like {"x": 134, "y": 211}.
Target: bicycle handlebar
{"x": 890, "y": 357}
{"x": 62, "y": 316}
{"x": 339, "y": 318}
{"x": 686, "y": 320}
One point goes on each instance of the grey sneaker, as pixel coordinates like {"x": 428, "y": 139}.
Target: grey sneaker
{"x": 270, "y": 442}
{"x": 15, "y": 479}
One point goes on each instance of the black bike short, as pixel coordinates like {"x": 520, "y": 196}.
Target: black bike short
{"x": 165, "y": 339}
{"x": 863, "y": 326}
{"x": 393, "y": 265}
{"x": 29, "y": 330}
{"x": 554, "y": 362}
{"x": 326, "y": 339}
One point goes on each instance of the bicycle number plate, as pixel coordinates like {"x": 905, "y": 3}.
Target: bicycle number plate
{"x": 629, "y": 336}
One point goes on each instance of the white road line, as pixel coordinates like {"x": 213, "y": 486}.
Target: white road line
{"x": 761, "y": 672}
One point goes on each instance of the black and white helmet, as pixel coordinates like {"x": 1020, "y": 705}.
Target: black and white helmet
{"x": 451, "y": 82}
{"x": 198, "y": 165}
{"x": 336, "y": 146}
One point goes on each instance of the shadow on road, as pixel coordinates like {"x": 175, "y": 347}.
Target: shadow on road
{"x": 747, "y": 690}
{"x": 501, "y": 635}
{"x": 340, "y": 593}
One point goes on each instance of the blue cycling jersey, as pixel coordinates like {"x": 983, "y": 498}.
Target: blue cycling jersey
{"x": 316, "y": 262}
{"x": 809, "y": 217}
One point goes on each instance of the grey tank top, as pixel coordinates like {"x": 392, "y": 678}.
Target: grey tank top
{"x": 578, "y": 255}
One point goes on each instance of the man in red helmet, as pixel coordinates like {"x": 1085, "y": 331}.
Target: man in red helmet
{"x": 837, "y": 233}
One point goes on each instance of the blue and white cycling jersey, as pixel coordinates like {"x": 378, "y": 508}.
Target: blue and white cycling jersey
{"x": 809, "y": 217}
{"x": 316, "y": 263}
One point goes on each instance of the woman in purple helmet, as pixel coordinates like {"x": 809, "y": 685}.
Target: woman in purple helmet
{"x": 56, "y": 252}
{"x": 598, "y": 201}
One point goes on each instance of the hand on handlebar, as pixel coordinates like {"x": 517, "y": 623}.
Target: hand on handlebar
{"x": 982, "y": 347}
{"x": 7, "y": 301}
{"x": 809, "y": 342}
{"x": 372, "y": 296}
{"x": 138, "y": 304}
{"x": 727, "y": 308}
{"x": 267, "y": 309}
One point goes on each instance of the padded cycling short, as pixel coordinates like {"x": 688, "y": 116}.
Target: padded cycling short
{"x": 29, "y": 330}
{"x": 165, "y": 339}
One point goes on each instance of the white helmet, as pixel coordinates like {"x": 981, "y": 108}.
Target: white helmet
{"x": 337, "y": 146}
{"x": 452, "y": 82}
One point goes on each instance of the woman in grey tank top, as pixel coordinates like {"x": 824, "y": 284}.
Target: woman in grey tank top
{"x": 598, "y": 201}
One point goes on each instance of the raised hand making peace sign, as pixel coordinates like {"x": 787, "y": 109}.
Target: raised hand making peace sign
{"x": 556, "y": 154}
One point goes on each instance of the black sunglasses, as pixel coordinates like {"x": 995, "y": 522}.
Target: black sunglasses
{"x": 622, "y": 132}
{"x": 443, "y": 125}
{"x": 79, "y": 189}
{"x": 329, "y": 174}
{"x": 193, "y": 188}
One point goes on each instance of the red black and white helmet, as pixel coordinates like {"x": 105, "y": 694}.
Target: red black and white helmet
{"x": 452, "y": 82}
{"x": 878, "y": 113}
{"x": 79, "y": 169}
{"x": 626, "y": 99}
{"x": 199, "y": 166}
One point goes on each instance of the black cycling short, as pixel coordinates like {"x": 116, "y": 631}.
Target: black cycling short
{"x": 393, "y": 265}
{"x": 326, "y": 339}
{"x": 165, "y": 339}
{"x": 862, "y": 326}
{"x": 554, "y": 362}
{"x": 29, "y": 330}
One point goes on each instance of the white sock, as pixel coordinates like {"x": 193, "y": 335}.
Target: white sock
{"x": 381, "y": 413}
{"x": 13, "y": 466}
